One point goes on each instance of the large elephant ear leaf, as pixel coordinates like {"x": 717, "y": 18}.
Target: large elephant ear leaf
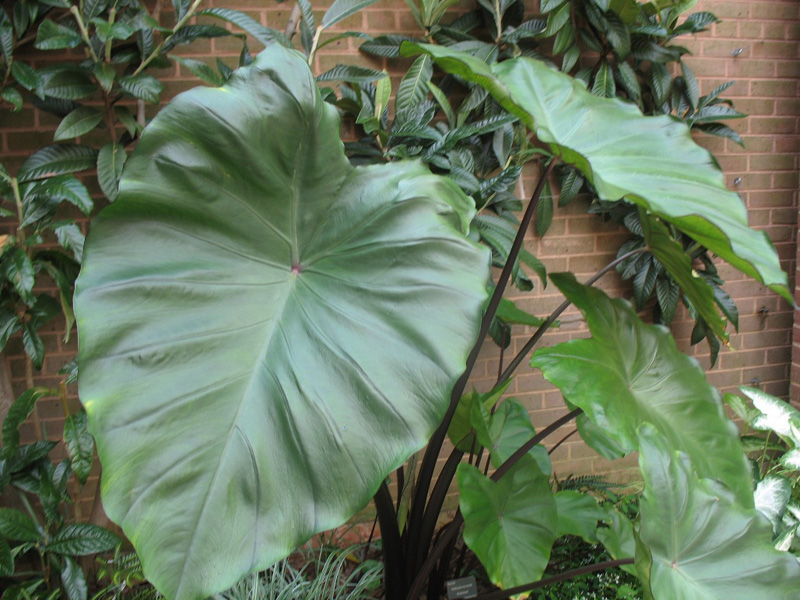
{"x": 650, "y": 161}
{"x": 266, "y": 331}
{"x": 699, "y": 542}
{"x": 629, "y": 373}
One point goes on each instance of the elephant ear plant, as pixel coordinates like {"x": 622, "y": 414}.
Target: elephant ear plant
{"x": 266, "y": 332}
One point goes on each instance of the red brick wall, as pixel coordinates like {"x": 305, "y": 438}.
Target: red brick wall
{"x": 765, "y": 172}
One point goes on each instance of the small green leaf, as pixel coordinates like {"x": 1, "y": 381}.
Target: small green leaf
{"x": 61, "y": 187}
{"x": 341, "y": 9}
{"x": 17, "y": 268}
{"x": 110, "y": 161}
{"x": 17, "y": 526}
{"x": 28, "y": 77}
{"x": 199, "y": 69}
{"x": 105, "y": 75}
{"x": 13, "y": 97}
{"x": 544, "y": 211}
{"x": 351, "y": 74}
{"x": 143, "y": 87}
{"x": 33, "y": 345}
{"x": 460, "y": 429}
{"x": 510, "y": 524}
{"x": 6, "y": 559}
{"x": 52, "y": 36}
{"x": 578, "y": 515}
{"x": 413, "y": 88}
{"x": 80, "y": 121}
{"x": 79, "y": 444}
{"x": 81, "y": 539}
{"x": 9, "y": 325}
{"x": 57, "y": 160}
{"x": 71, "y": 238}
{"x": 17, "y": 414}
{"x": 73, "y": 580}
{"x": 510, "y": 313}
{"x": 604, "y": 85}
{"x": 263, "y": 35}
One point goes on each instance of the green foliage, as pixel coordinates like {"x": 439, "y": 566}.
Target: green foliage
{"x": 289, "y": 287}
{"x": 325, "y": 574}
{"x": 47, "y": 529}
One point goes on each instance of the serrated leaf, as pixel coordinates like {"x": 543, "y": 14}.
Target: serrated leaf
{"x": 52, "y": 36}
{"x": 629, "y": 80}
{"x": 556, "y": 20}
{"x": 105, "y": 74}
{"x": 68, "y": 83}
{"x": 73, "y": 580}
{"x": 93, "y": 8}
{"x": 720, "y": 130}
{"x": 629, "y": 373}
{"x": 716, "y": 548}
{"x": 208, "y": 222}
{"x": 570, "y": 183}
{"x": 80, "y": 121}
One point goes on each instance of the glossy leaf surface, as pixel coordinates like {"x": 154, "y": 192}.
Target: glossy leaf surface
{"x": 265, "y": 331}
{"x": 702, "y": 544}
{"x": 650, "y": 161}
{"x": 509, "y": 524}
{"x": 629, "y": 373}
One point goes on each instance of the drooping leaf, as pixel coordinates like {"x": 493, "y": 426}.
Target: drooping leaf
{"x": 61, "y": 187}
{"x": 616, "y": 535}
{"x": 110, "y": 161}
{"x": 16, "y": 267}
{"x": 70, "y": 237}
{"x": 700, "y": 542}
{"x": 650, "y": 161}
{"x": 510, "y": 313}
{"x": 772, "y": 495}
{"x": 341, "y": 9}
{"x": 80, "y": 121}
{"x": 73, "y": 580}
{"x": 629, "y": 373}
{"x": 17, "y": 413}
{"x": 244, "y": 254}
{"x": 505, "y": 430}
{"x": 263, "y": 35}
{"x": 510, "y": 524}
{"x": 351, "y": 74}
{"x": 670, "y": 254}
{"x": 79, "y": 444}
{"x": 13, "y": 97}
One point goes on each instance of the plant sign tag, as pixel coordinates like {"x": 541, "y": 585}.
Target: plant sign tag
{"x": 465, "y": 587}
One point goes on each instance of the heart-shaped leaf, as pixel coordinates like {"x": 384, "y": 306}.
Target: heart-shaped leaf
{"x": 650, "y": 161}
{"x": 509, "y": 524}
{"x": 629, "y": 373}
{"x": 700, "y": 542}
{"x": 265, "y": 331}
